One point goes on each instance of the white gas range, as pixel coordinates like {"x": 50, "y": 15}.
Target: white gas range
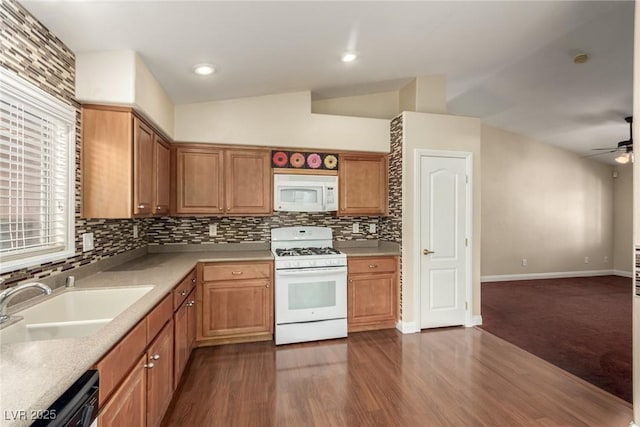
{"x": 310, "y": 285}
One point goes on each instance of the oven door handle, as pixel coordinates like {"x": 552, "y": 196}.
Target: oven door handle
{"x": 311, "y": 271}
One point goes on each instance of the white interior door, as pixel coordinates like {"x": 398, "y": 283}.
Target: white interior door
{"x": 443, "y": 215}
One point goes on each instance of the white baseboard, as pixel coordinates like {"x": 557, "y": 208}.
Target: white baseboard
{"x": 632, "y": 424}
{"x": 623, "y": 273}
{"x": 475, "y": 321}
{"x": 555, "y": 275}
{"x": 407, "y": 327}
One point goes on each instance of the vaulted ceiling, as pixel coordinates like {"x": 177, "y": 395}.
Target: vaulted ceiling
{"x": 509, "y": 63}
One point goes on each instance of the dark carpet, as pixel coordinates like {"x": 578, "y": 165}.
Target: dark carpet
{"x": 581, "y": 324}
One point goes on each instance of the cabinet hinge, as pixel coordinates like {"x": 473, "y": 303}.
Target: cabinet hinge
{"x": 466, "y": 241}
{"x": 466, "y": 177}
{"x": 466, "y": 305}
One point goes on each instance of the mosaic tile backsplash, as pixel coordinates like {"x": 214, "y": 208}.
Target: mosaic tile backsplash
{"x": 195, "y": 230}
{"x": 391, "y": 226}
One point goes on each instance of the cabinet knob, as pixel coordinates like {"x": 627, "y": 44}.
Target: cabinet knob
{"x": 193, "y": 280}
{"x": 140, "y": 206}
{"x": 350, "y": 280}
{"x": 158, "y": 208}
{"x": 155, "y": 357}
{"x": 184, "y": 293}
{"x": 149, "y": 365}
{"x": 220, "y": 208}
{"x": 266, "y": 286}
{"x": 190, "y": 304}
{"x": 373, "y": 265}
{"x": 236, "y": 273}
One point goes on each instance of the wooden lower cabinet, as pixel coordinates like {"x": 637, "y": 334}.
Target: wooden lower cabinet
{"x": 234, "y": 310}
{"x": 159, "y": 375}
{"x": 372, "y": 296}
{"x": 128, "y": 406}
{"x": 184, "y": 321}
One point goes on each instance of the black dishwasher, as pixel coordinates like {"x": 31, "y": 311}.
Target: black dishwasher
{"x": 77, "y": 407}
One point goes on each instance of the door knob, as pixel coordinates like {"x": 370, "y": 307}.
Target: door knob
{"x": 427, "y": 252}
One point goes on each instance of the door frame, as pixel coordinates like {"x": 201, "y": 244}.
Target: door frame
{"x": 417, "y": 287}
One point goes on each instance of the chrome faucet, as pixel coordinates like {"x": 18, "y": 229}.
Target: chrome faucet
{"x": 7, "y": 294}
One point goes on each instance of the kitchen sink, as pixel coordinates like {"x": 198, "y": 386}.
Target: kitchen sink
{"x": 72, "y": 314}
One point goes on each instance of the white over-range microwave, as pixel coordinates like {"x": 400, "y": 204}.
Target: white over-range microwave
{"x": 305, "y": 193}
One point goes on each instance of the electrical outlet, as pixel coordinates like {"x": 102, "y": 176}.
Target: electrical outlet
{"x": 135, "y": 231}
{"x": 606, "y": 259}
{"x": 356, "y": 228}
{"x": 524, "y": 262}
{"x": 372, "y": 228}
{"x": 586, "y": 260}
{"x": 213, "y": 230}
{"x": 87, "y": 242}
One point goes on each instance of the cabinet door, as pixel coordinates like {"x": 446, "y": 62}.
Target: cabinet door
{"x": 199, "y": 179}
{"x": 248, "y": 188}
{"x": 236, "y": 307}
{"x": 143, "y": 148}
{"x": 127, "y": 407}
{"x": 191, "y": 322}
{"x": 372, "y": 298}
{"x": 159, "y": 375}
{"x": 181, "y": 341}
{"x": 363, "y": 184}
{"x": 161, "y": 169}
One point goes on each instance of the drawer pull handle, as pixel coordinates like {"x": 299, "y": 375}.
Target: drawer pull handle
{"x": 373, "y": 265}
{"x": 236, "y": 273}
{"x": 155, "y": 357}
{"x": 184, "y": 293}
{"x": 149, "y": 365}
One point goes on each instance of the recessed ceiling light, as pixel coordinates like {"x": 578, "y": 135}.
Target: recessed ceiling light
{"x": 349, "y": 57}
{"x": 581, "y": 58}
{"x": 204, "y": 69}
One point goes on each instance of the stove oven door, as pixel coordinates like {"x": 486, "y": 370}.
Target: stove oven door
{"x": 310, "y": 294}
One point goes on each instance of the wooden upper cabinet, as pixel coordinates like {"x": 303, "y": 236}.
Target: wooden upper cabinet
{"x": 199, "y": 177}
{"x": 143, "y": 151}
{"x": 211, "y": 180}
{"x": 248, "y": 181}
{"x": 363, "y": 184}
{"x": 125, "y": 165}
{"x": 162, "y": 175}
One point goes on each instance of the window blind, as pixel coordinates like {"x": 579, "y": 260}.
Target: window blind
{"x": 36, "y": 184}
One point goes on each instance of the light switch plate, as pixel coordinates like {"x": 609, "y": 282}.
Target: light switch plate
{"x": 135, "y": 231}
{"x": 372, "y": 228}
{"x": 213, "y": 230}
{"x": 356, "y": 228}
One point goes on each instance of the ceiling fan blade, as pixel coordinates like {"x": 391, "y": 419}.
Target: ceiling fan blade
{"x": 599, "y": 154}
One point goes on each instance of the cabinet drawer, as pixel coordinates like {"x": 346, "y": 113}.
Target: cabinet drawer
{"x": 236, "y": 271}
{"x": 372, "y": 265}
{"x": 181, "y": 291}
{"x": 118, "y": 362}
{"x": 159, "y": 316}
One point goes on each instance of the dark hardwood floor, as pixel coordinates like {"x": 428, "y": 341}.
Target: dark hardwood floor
{"x": 445, "y": 377}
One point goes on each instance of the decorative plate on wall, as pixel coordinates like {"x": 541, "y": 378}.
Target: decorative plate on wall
{"x": 304, "y": 160}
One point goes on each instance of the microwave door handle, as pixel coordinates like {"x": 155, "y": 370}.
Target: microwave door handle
{"x": 324, "y": 197}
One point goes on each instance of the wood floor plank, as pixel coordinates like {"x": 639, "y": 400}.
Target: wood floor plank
{"x": 445, "y": 377}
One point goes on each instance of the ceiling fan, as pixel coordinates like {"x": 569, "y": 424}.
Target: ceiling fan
{"x": 625, "y": 148}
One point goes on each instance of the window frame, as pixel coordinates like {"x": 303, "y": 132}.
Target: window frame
{"x": 16, "y": 86}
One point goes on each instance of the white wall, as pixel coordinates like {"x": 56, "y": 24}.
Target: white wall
{"x": 623, "y": 219}
{"x": 282, "y": 120}
{"x": 122, "y": 78}
{"x": 382, "y": 105}
{"x": 151, "y": 99}
{"x": 106, "y": 77}
{"x": 544, "y": 204}
{"x": 436, "y": 132}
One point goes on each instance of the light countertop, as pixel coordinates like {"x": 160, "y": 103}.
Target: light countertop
{"x": 34, "y": 374}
